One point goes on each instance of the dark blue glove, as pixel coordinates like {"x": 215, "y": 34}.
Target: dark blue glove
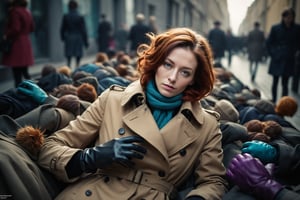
{"x": 264, "y": 152}
{"x": 121, "y": 151}
{"x": 32, "y": 90}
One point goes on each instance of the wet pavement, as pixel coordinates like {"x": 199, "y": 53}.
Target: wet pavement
{"x": 239, "y": 67}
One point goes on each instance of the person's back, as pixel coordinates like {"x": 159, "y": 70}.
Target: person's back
{"x": 73, "y": 33}
{"x": 104, "y": 33}
{"x": 137, "y": 34}
{"x": 217, "y": 39}
{"x": 255, "y": 43}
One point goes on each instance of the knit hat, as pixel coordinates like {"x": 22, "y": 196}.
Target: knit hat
{"x": 265, "y": 106}
{"x": 226, "y": 110}
{"x": 286, "y": 106}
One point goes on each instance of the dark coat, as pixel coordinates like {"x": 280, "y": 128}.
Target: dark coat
{"x": 137, "y": 35}
{"x": 256, "y": 45}
{"x": 282, "y": 45}
{"x": 21, "y": 178}
{"x": 217, "y": 40}
{"x": 73, "y": 33}
{"x": 19, "y": 26}
{"x": 104, "y": 35}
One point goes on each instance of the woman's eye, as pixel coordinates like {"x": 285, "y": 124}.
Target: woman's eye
{"x": 185, "y": 73}
{"x": 167, "y": 65}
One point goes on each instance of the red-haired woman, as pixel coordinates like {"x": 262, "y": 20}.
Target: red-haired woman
{"x": 149, "y": 137}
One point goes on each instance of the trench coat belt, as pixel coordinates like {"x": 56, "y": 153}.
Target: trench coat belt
{"x": 141, "y": 178}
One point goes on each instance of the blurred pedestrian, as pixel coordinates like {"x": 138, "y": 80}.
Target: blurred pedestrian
{"x": 121, "y": 36}
{"x": 153, "y": 25}
{"x": 217, "y": 40}
{"x": 73, "y": 33}
{"x": 137, "y": 33}
{"x": 230, "y": 45}
{"x": 17, "y": 29}
{"x": 256, "y": 49}
{"x": 296, "y": 76}
{"x": 104, "y": 32}
{"x": 282, "y": 44}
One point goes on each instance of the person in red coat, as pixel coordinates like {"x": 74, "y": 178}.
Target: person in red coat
{"x": 18, "y": 28}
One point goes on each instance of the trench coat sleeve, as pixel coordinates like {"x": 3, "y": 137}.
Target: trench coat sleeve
{"x": 59, "y": 148}
{"x": 210, "y": 172}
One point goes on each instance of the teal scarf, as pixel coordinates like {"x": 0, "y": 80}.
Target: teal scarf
{"x": 162, "y": 107}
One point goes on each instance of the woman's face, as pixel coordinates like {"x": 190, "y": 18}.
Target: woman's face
{"x": 177, "y": 72}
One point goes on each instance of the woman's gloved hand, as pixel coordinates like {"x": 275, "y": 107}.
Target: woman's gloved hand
{"x": 32, "y": 90}
{"x": 261, "y": 150}
{"x": 252, "y": 177}
{"x": 121, "y": 150}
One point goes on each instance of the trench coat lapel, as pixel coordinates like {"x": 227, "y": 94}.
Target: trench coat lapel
{"x": 142, "y": 123}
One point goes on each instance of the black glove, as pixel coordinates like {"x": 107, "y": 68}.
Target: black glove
{"x": 194, "y": 198}
{"x": 121, "y": 151}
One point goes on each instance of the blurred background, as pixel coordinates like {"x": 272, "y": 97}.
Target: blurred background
{"x": 237, "y": 15}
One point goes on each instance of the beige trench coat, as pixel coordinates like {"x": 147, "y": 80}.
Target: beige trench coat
{"x": 189, "y": 141}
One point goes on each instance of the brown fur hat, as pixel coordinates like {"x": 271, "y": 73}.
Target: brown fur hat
{"x": 272, "y": 129}
{"x": 87, "y": 92}
{"x": 254, "y": 126}
{"x": 69, "y": 103}
{"x": 30, "y": 138}
{"x": 286, "y": 106}
{"x": 65, "y": 70}
{"x": 64, "y": 89}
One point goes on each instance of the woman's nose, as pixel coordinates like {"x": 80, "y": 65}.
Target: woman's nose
{"x": 172, "y": 76}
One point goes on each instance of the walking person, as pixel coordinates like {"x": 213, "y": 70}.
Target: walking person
{"x": 217, "y": 39}
{"x": 137, "y": 33}
{"x": 282, "y": 44}
{"x": 256, "y": 48}
{"x": 73, "y": 33}
{"x": 105, "y": 34}
{"x": 159, "y": 136}
{"x": 230, "y": 45}
{"x": 17, "y": 29}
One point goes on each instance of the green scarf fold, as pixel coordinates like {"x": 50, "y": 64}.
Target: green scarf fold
{"x": 162, "y": 107}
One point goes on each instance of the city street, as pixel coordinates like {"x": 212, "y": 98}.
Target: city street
{"x": 263, "y": 81}
{"x": 239, "y": 67}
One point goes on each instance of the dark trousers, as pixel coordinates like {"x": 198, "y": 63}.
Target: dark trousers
{"x": 18, "y": 73}
{"x": 284, "y": 83}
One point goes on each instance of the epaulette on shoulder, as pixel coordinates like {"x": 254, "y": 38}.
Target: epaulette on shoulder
{"x": 117, "y": 88}
{"x": 213, "y": 113}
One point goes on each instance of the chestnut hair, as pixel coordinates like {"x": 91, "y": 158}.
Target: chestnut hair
{"x": 153, "y": 55}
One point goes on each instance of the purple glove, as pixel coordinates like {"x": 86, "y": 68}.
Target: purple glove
{"x": 251, "y": 176}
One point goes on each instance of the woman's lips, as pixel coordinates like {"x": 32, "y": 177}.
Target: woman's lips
{"x": 168, "y": 87}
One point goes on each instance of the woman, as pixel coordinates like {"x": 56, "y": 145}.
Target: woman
{"x": 18, "y": 28}
{"x": 150, "y": 136}
{"x": 282, "y": 44}
{"x": 73, "y": 33}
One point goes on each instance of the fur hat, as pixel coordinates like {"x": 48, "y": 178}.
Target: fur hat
{"x": 272, "y": 129}
{"x": 254, "y": 126}
{"x": 87, "y": 92}
{"x": 286, "y": 106}
{"x": 226, "y": 110}
{"x": 70, "y": 103}
{"x": 31, "y": 139}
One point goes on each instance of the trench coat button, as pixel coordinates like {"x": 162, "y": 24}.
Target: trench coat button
{"x": 106, "y": 179}
{"x": 182, "y": 152}
{"x": 88, "y": 193}
{"x": 121, "y": 131}
{"x": 161, "y": 173}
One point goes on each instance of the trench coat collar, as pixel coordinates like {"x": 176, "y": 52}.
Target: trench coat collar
{"x": 135, "y": 88}
{"x": 136, "y": 119}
